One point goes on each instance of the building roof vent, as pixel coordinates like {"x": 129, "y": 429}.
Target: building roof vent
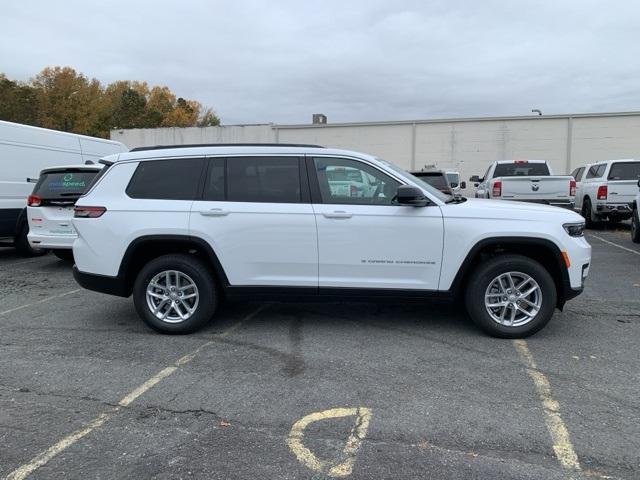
{"x": 319, "y": 119}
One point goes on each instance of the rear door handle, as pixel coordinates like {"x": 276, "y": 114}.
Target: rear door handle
{"x": 337, "y": 214}
{"x": 214, "y": 212}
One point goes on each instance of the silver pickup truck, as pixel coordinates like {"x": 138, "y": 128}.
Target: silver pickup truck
{"x": 526, "y": 181}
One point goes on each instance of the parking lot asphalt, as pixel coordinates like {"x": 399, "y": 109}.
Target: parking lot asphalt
{"x": 318, "y": 390}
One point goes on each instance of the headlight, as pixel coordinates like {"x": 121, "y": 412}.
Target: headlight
{"x": 574, "y": 229}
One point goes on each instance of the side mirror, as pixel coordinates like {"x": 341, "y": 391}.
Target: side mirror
{"x": 463, "y": 185}
{"x": 412, "y": 196}
{"x": 638, "y": 182}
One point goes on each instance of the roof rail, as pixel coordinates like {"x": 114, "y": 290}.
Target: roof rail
{"x": 162, "y": 147}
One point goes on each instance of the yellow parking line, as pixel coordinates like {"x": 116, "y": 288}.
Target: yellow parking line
{"x": 44, "y": 457}
{"x": 343, "y": 466}
{"x": 53, "y": 297}
{"x": 562, "y": 445}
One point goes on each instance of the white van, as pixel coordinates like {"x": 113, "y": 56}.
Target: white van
{"x": 24, "y": 152}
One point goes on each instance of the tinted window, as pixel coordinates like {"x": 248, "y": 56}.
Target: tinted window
{"x": 437, "y": 180}
{"x": 524, "y": 169}
{"x": 345, "y": 181}
{"x": 175, "y": 179}
{"x": 263, "y": 179}
{"x": 66, "y": 184}
{"x": 625, "y": 171}
{"x": 577, "y": 173}
{"x": 214, "y": 188}
{"x": 596, "y": 171}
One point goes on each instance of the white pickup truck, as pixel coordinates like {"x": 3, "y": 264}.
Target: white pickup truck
{"x": 526, "y": 181}
{"x": 607, "y": 189}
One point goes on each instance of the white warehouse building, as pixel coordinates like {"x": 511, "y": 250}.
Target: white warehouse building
{"x": 464, "y": 144}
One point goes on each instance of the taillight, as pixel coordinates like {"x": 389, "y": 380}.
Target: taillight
{"x": 497, "y": 188}
{"x": 572, "y": 188}
{"x": 88, "y": 212}
{"x": 602, "y": 192}
{"x": 34, "y": 201}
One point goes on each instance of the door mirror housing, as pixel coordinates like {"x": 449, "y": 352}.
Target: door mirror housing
{"x": 475, "y": 179}
{"x": 463, "y": 185}
{"x": 411, "y": 196}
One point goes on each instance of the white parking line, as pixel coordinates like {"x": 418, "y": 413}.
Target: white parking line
{"x": 615, "y": 244}
{"x": 562, "y": 446}
{"x": 44, "y": 300}
{"x": 44, "y": 457}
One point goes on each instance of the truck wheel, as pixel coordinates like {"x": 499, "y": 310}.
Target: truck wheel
{"x": 66, "y": 255}
{"x": 511, "y": 296}
{"x": 635, "y": 227}
{"x": 175, "y": 294}
{"x": 22, "y": 245}
{"x": 590, "y": 219}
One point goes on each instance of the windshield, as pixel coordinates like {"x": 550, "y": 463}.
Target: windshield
{"x": 625, "y": 171}
{"x": 412, "y": 178}
{"x": 65, "y": 184}
{"x": 524, "y": 169}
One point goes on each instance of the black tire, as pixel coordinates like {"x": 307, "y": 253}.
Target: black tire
{"x": 201, "y": 276}
{"x": 590, "y": 219}
{"x": 22, "y": 245}
{"x": 635, "y": 227}
{"x": 483, "y": 276}
{"x": 65, "y": 255}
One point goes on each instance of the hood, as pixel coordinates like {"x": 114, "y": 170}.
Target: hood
{"x": 504, "y": 209}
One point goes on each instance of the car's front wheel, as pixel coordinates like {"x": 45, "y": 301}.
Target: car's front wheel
{"x": 635, "y": 226}
{"x": 511, "y": 296}
{"x": 175, "y": 294}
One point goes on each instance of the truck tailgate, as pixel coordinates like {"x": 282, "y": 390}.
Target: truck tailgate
{"x": 622, "y": 191}
{"x": 535, "y": 188}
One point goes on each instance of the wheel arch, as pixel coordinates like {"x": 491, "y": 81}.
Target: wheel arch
{"x": 542, "y": 250}
{"x": 146, "y": 248}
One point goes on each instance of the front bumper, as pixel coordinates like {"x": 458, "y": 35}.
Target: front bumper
{"x": 568, "y": 204}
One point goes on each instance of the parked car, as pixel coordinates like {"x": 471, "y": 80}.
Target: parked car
{"x": 24, "y": 152}
{"x": 437, "y": 179}
{"x": 50, "y": 207}
{"x": 607, "y": 190}
{"x": 182, "y": 228}
{"x": 526, "y": 181}
{"x": 454, "y": 181}
{"x": 635, "y": 218}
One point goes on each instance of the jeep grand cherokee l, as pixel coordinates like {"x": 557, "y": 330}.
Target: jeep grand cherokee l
{"x": 182, "y": 228}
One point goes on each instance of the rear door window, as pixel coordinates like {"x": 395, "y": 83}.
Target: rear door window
{"x": 174, "y": 179}
{"x": 625, "y": 171}
{"x": 524, "y": 169}
{"x": 65, "y": 184}
{"x": 264, "y": 179}
{"x": 596, "y": 171}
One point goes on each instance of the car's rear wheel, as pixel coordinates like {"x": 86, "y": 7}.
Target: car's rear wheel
{"x": 175, "y": 294}
{"x": 635, "y": 226}
{"x": 587, "y": 212}
{"x": 65, "y": 255}
{"x": 22, "y": 245}
{"x": 511, "y": 296}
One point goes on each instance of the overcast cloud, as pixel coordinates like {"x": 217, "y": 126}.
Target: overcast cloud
{"x": 281, "y": 61}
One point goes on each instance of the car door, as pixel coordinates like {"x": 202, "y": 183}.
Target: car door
{"x": 256, "y": 214}
{"x": 368, "y": 241}
{"x": 578, "y": 175}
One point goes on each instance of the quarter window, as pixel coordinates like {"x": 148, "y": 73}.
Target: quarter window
{"x": 345, "y": 181}
{"x": 263, "y": 179}
{"x": 175, "y": 179}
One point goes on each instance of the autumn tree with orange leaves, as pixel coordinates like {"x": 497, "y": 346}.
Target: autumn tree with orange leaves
{"x": 62, "y": 99}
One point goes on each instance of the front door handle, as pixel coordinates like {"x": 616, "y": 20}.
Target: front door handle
{"x": 214, "y": 212}
{"x": 337, "y": 214}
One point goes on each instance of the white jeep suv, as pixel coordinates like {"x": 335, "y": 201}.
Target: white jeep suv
{"x": 182, "y": 228}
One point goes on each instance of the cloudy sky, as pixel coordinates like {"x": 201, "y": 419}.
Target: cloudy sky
{"x": 354, "y": 60}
